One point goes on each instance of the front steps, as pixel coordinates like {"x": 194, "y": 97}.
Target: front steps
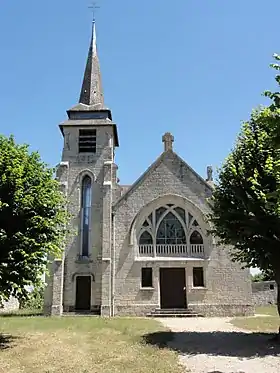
{"x": 174, "y": 312}
{"x": 95, "y": 311}
{"x": 158, "y": 312}
{"x": 80, "y": 313}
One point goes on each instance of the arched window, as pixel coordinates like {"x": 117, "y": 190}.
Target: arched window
{"x": 196, "y": 238}
{"x": 86, "y": 213}
{"x": 170, "y": 231}
{"x": 145, "y": 239}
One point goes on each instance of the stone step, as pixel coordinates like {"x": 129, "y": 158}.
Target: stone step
{"x": 173, "y": 310}
{"x": 165, "y": 314}
{"x": 82, "y": 313}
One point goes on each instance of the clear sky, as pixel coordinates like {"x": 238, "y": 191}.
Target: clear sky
{"x": 195, "y": 68}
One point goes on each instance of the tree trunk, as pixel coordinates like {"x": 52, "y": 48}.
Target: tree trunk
{"x": 278, "y": 301}
{"x": 277, "y": 279}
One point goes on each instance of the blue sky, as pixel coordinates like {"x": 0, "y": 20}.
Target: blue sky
{"x": 195, "y": 68}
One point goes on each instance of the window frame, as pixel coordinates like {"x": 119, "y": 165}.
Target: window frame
{"x": 150, "y": 284}
{"x": 194, "y": 276}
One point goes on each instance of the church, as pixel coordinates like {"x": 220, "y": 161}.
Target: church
{"x": 142, "y": 249}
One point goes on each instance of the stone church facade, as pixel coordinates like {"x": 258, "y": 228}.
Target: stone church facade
{"x": 134, "y": 249}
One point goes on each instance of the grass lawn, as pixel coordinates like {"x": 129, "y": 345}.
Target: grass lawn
{"x": 268, "y": 322}
{"x": 81, "y": 345}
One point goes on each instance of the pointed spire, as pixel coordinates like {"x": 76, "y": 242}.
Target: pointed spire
{"x": 91, "y": 92}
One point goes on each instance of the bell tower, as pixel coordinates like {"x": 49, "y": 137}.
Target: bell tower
{"x": 82, "y": 280}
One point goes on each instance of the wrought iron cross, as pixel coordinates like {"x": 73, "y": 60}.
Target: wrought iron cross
{"x": 93, "y": 8}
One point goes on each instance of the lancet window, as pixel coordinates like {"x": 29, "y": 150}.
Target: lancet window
{"x": 86, "y": 214}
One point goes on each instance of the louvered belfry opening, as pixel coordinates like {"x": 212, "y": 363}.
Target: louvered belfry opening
{"x": 87, "y": 141}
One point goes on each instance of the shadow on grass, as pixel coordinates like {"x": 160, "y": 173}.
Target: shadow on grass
{"x": 7, "y": 341}
{"x": 234, "y": 344}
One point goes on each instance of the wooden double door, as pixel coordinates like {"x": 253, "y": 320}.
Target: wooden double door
{"x": 173, "y": 288}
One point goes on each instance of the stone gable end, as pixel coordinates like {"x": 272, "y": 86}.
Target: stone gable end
{"x": 168, "y": 175}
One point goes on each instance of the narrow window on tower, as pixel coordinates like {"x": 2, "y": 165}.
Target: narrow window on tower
{"x": 86, "y": 214}
{"x": 87, "y": 141}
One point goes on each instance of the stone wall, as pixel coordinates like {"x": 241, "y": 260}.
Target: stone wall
{"x": 264, "y": 293}
{"x": 11, "y": 305}
{"x": 227, "y": 288}
{"x": 224, "y": 310}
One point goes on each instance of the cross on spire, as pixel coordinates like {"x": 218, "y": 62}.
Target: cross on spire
{"x": 93, "y": 8}
{"x": 168, "y": 140}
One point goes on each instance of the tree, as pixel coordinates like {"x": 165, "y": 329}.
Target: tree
{"x": 263, "y": 276}
{"x": 35, "y": 299}
{"x": 33, "y": 218}
{"x": 246, "y": 200}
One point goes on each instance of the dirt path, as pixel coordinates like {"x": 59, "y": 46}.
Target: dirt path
{"x": 213, "y": 345}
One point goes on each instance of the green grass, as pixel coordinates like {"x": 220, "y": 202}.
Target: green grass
{"x": 22, "y": 312}
{"x": 81, "y": 345}
{"x": 269, "y": 322}
{"x": 267, "y": 310}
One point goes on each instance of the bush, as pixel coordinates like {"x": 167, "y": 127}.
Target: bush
{"x": 35, "y": 300}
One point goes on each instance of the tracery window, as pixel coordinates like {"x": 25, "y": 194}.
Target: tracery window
{"x": 86, "y": 213}
{"x": 170, "y": 231}
{"x": 170, "y": 225}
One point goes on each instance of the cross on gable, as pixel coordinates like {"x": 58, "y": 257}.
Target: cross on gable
{"x": 168, "y": 140}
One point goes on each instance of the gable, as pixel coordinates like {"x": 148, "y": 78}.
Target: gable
{"x": 169, "y": 173}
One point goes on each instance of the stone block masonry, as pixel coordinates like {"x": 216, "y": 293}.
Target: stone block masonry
{"x": 264, "y": 293}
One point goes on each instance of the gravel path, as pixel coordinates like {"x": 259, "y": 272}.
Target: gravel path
{"x": 213, "y": 345}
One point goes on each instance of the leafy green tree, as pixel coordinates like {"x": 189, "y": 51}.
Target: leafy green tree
{"x": 34, "y": 300}
{"x": 263, "y": 276}
{"x": 246, "y": 200}
{"x": 33, "y": 219}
